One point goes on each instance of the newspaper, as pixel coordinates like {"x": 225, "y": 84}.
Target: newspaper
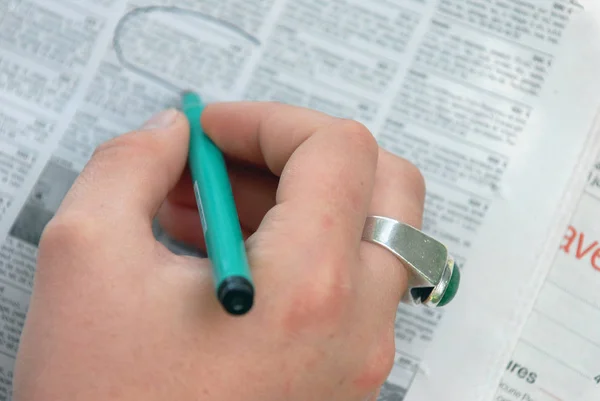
{"x": 557, "y": 356}
{"x": 476, "y": 93}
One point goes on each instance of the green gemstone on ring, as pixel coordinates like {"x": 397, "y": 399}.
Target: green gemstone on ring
{"x": 452, "y": 288}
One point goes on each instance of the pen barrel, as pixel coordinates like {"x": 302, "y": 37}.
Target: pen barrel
{"x": 218, "y": 213}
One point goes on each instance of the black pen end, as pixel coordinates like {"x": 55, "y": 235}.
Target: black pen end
{"x": 236, "y": 294}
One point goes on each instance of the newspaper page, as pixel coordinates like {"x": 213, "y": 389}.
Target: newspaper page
{"x": 463, "y": 89}
{"x": 557, "y": 357}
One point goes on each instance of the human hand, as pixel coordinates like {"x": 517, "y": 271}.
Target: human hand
{"x": 115, "y": 315}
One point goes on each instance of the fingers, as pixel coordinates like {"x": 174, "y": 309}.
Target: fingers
{"x": 183, "y": 224}
{"x": 253, "y": 191}
{"x": 129, "y": 177}
{"x": 327, "y": 167}
{"x": 399, "y": 193}
{"x": 265, "y": 134}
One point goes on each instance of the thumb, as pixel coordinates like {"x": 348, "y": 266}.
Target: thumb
{"x": 374, "y": 396}
{"x": 131, "y": 175}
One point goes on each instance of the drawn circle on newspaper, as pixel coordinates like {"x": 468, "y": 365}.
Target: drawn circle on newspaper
{"x": 185, "y": 65}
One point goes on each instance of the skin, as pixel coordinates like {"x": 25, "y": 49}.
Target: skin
{"x": 115, "y": 315}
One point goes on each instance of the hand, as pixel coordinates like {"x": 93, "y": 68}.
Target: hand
{"x": 115, "y": 316}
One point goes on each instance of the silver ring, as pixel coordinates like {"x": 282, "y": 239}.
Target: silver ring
{"x": 433, "y": 275}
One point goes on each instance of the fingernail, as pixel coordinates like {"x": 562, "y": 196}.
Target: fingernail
{"x": 164, "y": 119}
{"x": 372, "y": 396}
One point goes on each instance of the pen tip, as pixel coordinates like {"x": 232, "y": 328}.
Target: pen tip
{"x": 191, "y": 100}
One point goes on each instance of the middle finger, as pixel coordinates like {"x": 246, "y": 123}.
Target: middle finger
{"x": 254, "y": 192}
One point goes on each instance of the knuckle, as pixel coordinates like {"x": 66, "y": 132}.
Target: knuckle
{"x": 415, "y": 176}
{"x": 378, "y": 363}
{"x": 69, "y": 233}
{"x": 359, "y": 134}
{"x": 319, "y": 303}
{"x": 405, "y": 171}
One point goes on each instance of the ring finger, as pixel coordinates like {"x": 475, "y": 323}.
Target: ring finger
{"x": 399, "y": 193}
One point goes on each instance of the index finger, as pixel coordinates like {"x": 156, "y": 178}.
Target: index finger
{"x": 326, "y": 164}
{"x": 262, "y": 133}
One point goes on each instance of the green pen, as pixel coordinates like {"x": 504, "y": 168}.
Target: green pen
{"x": 218, "y": 215}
